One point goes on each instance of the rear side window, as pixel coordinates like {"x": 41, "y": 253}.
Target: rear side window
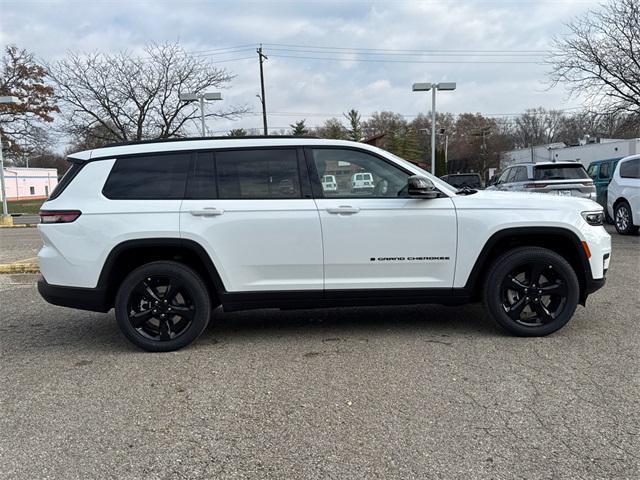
{"x": 264, "y": 174}
{"x": 561, "y": 172}
{"x": 148, "y": 177}
{"x": 66, "y": 179}
{"x": 630, "y": 168}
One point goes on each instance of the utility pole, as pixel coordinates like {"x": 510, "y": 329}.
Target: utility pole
{"x": 263, "y": 100}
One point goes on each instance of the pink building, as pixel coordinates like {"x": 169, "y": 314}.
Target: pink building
{"x": 26, "y": 183}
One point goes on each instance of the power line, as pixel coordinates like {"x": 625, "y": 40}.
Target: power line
{"x": 402, "y": 61}
{"x": 391, "y": 50}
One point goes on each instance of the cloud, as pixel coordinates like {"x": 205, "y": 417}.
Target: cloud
{"x": 315, "y": 86}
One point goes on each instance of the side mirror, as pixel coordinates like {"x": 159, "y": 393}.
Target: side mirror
{"x": 421, "y": 187}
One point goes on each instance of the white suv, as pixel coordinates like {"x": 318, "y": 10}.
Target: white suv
{"x": 623, "y": 195}
{"x": 165, "y": 231}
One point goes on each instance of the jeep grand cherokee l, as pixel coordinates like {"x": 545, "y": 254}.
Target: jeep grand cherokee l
{"x": 165, "y": 231}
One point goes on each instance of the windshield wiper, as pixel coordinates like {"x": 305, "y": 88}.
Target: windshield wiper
{"x": 466, "y": 191}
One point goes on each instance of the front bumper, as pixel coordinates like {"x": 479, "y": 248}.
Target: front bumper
{"x": 93, "y": 299}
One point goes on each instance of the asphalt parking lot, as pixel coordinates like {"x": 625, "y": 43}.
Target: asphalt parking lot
{"x": 394, "y": 392}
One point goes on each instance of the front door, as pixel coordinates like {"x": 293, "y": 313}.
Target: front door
{"x": 252, "y": 210}
{"x": 375, "y": 236}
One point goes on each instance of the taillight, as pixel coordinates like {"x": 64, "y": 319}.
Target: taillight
{"x": 535, "y": 185}
{"x": 59, "y": 216}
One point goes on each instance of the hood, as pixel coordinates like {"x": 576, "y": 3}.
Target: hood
{"x": 493, "y": 199}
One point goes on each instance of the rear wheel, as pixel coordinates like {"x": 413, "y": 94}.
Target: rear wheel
{"x": 162, "y": 306}
{"x": 623, "y": 219}
{"x": 531, "y": 291}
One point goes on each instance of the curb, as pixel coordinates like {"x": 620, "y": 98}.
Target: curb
{"x": 21, "y": 225}
{"x": 28, "y": 265}
{"x": 19, "y": 268}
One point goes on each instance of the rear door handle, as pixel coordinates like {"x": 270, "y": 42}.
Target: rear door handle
{"x": 343, "y": 209}
{"x": 207, "y": 212}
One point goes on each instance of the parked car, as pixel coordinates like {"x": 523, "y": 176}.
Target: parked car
{"x": 461, "y": 180}
{"x": 329, "y": 183}
{"x": 165, "y": 231}
{"x": 623, "y": 198}
{"x": 559, "y": 178}
{"x": 362, "y": 181}
{"x": 601, "y": 172}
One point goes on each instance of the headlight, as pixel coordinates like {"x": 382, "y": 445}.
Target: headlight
{"x": 594, "y": 218}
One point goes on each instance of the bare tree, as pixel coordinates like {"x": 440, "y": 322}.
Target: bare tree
{"x": 23, "y": 124}
{"x": 537, "y": 126}
{"x": 600, "y": 58}
{"x": 122, "y": 97}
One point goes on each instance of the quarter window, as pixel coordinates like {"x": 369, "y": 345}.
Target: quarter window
{"x": 269, "y": 173}
{"x": 148, "y": 177}
{"x": 359, "y": 174}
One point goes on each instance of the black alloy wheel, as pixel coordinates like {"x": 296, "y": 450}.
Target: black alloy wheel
{"x": 162, "y": 306}
{"x": 531, "y": 291}
{"x": 160, "y": 309}
{"x": 533, "y": 294}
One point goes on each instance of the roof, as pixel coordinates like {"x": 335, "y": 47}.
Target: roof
{"x": 113, "y": 151}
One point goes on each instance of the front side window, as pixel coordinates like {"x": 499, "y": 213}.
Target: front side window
{"x": 359, "y": 174}
{"x": 521, "y": 174}
{"x": 630, "y": 169}
{"x": 258, "y": 174}
{"x": 604, "y": 170}
{"x": 148, "y": 177}
{"x": 504, "y": 176}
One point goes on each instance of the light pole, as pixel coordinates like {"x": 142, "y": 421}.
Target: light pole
{"x": 425, "y": 87}
{"x": 201, "y": 97}
{"x": 6, "y": 218}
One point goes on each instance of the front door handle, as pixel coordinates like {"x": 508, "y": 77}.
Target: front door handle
{"x": 207, "y": 212}
{"x": 343, "y": 209}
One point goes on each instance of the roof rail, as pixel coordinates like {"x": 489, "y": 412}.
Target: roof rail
{"x": 189, "y": 139}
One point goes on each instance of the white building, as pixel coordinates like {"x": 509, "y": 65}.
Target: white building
{"x": 28, "y": 183}
{"x": 588, "y": 151}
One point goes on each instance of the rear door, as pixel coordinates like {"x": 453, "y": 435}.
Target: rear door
{"x": 378, "y": 237}
{"x": 252, "y": 210}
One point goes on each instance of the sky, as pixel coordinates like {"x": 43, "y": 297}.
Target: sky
{"x": 326, "y": 57}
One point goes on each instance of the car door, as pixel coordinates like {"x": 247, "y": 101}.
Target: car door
{"x": 379, "y": 237}
{"x": 253, "y": 212}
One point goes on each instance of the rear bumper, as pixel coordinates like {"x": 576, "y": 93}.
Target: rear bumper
{"x": 93, "y": 299}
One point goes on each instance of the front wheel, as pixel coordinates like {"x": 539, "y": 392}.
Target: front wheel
{"x": 162, "y": 306}
{"x": 531, "y": 291}
{"x": 623, "y": 219}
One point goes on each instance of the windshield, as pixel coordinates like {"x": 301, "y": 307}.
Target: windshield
{"x": 560, "y": 172}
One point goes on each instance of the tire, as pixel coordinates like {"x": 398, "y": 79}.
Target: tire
{"x": 623, "y": 219}
{"x": 162, "y": 306}
{"x": 511, "y": 299}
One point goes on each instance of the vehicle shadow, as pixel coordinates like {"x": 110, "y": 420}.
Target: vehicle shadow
{"x": 434, "y": 320}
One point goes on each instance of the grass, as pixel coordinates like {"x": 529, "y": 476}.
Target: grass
{"x": 31, "y": 207}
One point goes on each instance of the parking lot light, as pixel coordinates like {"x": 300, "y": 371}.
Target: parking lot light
{"x": 201, "y": 97}
{"x": 425, "y": 87}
